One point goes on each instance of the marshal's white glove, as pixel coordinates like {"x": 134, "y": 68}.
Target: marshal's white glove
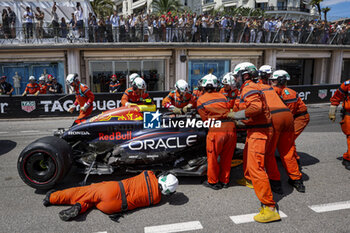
{"x": 187, "y": 108}
{"x": 85, "y": 107}
{"x": 240, "y": 115}
{"x": 71, "y": 108}
{"x": 127, "y": 104}
{"x": 331, "y": 114}
{"x": 176, "y": 110}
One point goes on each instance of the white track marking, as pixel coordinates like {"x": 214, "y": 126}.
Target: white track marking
{"x": 30, "y": 131}
{"x": 331, "y": 206}
{"x": 245, "y": 218}
{"x": 176, "y": 227}
{"x": 4, "y": 132}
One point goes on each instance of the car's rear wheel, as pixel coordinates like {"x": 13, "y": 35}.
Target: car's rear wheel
{"x": 44, "y": 162}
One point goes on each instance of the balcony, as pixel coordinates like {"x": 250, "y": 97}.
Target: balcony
{"x": 285, "y": 8}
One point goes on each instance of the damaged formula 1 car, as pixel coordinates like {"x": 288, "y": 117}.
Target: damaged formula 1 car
{"x": 116, "y": 141}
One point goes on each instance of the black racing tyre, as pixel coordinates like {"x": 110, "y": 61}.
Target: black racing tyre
{"x": 44, "y": 162}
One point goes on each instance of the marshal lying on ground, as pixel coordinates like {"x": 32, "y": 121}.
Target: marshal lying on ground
{"x": 115, "y": 140}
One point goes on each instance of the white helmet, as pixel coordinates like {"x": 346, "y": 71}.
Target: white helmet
{"x": 139, "y": 83}
{"x": 209, "y": 79}
{"x": 42, "y": 78}
{"x": 31, "y": 78}
{"x": 246, "y": 68}
{"x": 181, "y": 86}
{"x": 133, "y": 76}
{"x": 168, "y": 184}
{"x": 229, "y": 79}
{"x": 266, "y": 69}
{"x": 71, "y": 78}
{"x": 280, "y": 74}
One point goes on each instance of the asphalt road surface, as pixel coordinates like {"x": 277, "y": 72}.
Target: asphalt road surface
{"x": 325, "y": 207}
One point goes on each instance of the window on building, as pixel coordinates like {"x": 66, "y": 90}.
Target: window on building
{"x": 153, "y": 72}
{"x": 300, "y": 70}
{"x": 281, "y": 5}
{"x": 345, "y": 73}
{"x": 185, "y": 3}
{"x": 262, "y": 6}
{"x": 36, "y": 69}
{"x": 199, "y": 68}
{"x": 208, "y": 1}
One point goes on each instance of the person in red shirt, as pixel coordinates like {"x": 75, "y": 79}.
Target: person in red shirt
{"x": 229, "y": 90}
{"x": 83, "y": 97}
{"x": 135, "y": 94}
{"x": 255, "y": 114}
{"x": 113, "y": 197}
{"x": 295, "y": 104}
{"x": 342, "y": 95}
{"x": 220, "y": 140}
{"x": 32, "y": 87}
{"x": 42, "y": 85}
{"x": 114, "y": 84}
{"x": 180, "y": 100}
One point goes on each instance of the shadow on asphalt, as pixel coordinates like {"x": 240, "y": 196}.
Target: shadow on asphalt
{"x": 306, "y": 159}
{"x": 6, "y": 146}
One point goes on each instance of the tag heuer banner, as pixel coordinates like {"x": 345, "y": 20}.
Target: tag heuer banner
{"x": 53, "y": 106}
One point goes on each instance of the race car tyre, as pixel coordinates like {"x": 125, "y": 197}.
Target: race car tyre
{"x": 44, "y": 162}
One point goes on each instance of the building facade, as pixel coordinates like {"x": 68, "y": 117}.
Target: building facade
{"x": 162, "y": 65}
{"x": 291, "y": 9}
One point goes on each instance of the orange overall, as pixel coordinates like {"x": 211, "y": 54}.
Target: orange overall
{"x": 341, "y": 95}
{"x": 197, "y": 93}
{"x": 230, "y": 95}
{"x": 175, "y": 99}
{"x": 282, "y": 139}
{"x": 42, "y": 88}
{"x": 32, "y": 88}
{"x": 221, "y": 140}
{"x": 259, "y": 130}
{"x": 83, "y": 95}
{"x": 140, "y": 191}
{"x": 297, "y": 108}
{"x": 132, "y": 97}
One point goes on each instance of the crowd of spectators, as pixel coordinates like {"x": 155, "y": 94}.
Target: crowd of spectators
{"x": 179, "y": 27}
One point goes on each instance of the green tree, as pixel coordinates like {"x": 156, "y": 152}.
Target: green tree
{"x": 164, "y": 6}
{"x": 317, "y": 3}
{"x": 325, "y": 11}
{"x": 102, "y": 7}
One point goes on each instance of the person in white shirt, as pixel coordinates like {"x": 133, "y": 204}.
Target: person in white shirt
{"x": 267, "y": 32}
{"x": 115, "y": 26}
{"x": 79, "y": 17}
{"x": 28, "y": 21}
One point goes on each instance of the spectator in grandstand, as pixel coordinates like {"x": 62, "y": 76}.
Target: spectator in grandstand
{"x": 54, "y": 20}
{"x": 28, "y": 22}
{"x": 12, "y": 21}
{"x": 5, "y": 23}
{"x": 79, "y": 17}
{"x": 39, "y": 16}
{"x": 115, "y": 25}
{"x": 64, "y": 28}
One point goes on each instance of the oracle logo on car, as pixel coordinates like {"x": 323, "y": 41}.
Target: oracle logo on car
{"x": 115, "y": 136}
{"x": 168, "y": 143}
